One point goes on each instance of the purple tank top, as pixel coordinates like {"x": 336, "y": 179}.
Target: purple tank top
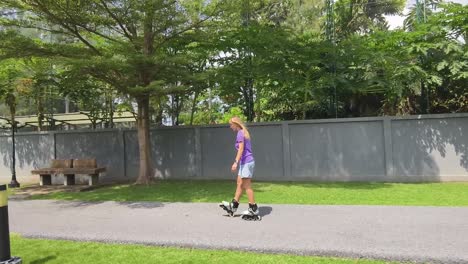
{"x": 247, "y": 155}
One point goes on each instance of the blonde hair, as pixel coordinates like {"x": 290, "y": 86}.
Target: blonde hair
{"x": 236, "y": 120}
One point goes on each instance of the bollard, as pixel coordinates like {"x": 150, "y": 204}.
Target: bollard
{"x": 5, "y": 257}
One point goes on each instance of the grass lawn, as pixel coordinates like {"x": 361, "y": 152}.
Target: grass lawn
{"x": 53, "y": 251}
{"x": 420, "y": 194}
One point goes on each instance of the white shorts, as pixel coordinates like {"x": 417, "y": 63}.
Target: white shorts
{"x": 246, "y": 170}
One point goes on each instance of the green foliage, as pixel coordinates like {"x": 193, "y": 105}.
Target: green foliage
{"x": 233, "y": 111}
{"x": 267, "y": 58}
{"x": 12, "y": 84}
{"x": 73, "y": 252}
{"x": 364, "y": 16}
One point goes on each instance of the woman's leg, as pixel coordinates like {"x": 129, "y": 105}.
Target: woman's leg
{"x": 247, "y": 185}
{"x": 239, "y": 189}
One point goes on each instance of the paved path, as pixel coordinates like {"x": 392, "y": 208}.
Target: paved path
{"x": 435, "y": 234}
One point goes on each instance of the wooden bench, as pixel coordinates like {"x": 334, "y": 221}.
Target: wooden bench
{"x": 56, "y": 167}
{"x": 69, "y": 168}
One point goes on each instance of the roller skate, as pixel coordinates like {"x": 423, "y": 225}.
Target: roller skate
{"x": 230, "y": 207}
{"x": 252, "y": 214}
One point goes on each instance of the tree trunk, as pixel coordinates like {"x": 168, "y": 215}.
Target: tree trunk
{"x": 175, "y": 102}
{"x": 145, "y": 175}
{"x": 178, "y": 104}
{"x": 110, "y": 109}
{"x": 159, "y": 112}
{"x": 40, "y": 110}
{"x": 194, "y": 105}
{"x": 248, "y": 94}
{"x": 258, "y": 109}
{"x": 304, "y": 110}
{"x": 424, "y": 100}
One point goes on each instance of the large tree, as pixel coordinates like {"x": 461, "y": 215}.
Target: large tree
{"x": 125, "y": 43}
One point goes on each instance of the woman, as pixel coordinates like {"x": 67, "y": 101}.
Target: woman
{"x": 244, "y": 163}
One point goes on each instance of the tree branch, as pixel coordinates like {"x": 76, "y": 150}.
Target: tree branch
{"x": 11, "y": 23}
{"x": 126, "y": 33}
{"x": 189, "y": 27}
{"x": 73, "y": 30}
{"x": 83, "y": 26}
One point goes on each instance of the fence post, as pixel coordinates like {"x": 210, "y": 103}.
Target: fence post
{"x": 198, "y": 153}
{"x": 121, "y": 139}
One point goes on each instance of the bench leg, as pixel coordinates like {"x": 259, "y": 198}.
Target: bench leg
{"x": 93, "y": 179}
{"x": 69, "y": 179}
{"x": 46, "y": 179}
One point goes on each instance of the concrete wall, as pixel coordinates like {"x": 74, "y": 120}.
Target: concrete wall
{"x": 173, "y": 152}
{"x": 432, "y": 149}
{"x": 393, "y": 149}
{"x": 106, "y": 146}
{"x": 218, "y": 152}
{"x": 337, "y": 151}
{"x": 32, "y": 151}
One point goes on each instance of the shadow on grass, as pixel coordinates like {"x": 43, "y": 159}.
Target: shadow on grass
{"x": 161, "y": 191}
{"x": 188, "y": 191}
{"x": 198, "y": 191}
